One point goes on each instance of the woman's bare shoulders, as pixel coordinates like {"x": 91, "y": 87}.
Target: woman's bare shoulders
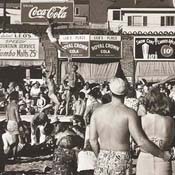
{"x": 158, "y": 126}
{"x": 157, "y": 119}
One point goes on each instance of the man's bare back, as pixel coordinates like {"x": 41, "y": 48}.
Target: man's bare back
{"x": 112, "y": 124}
{"x": 12, "y": 112}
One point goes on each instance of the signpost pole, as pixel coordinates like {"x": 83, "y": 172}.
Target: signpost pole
{"x": 4, "y": 16}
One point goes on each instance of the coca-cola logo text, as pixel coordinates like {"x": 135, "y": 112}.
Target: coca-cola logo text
{"x": 56, "y": 12}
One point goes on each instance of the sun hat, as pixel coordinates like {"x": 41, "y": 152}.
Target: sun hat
{"x": 117, "y": 86}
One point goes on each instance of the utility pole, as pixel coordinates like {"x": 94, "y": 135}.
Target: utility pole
{"x": 4, "y": 16}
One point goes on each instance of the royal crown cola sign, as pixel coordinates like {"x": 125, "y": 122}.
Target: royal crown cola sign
{"x": 105, "y": 46}
{"x": 76, "y": 45}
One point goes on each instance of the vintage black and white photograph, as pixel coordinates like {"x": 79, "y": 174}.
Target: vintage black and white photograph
{"x": 87, "y": 87}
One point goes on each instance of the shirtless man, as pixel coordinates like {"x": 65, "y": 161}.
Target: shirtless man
{"x": 110, "y": 129}
{"x": 70, "y": 82}
{"x": 51, "y": 88}
{"x": 11, "y": 138}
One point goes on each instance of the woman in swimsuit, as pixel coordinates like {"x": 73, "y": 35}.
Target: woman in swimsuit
{"x": 159, "y": 128}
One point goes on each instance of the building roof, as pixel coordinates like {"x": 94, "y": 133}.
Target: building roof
{"x": 142, "y": 4}
{"x": 155, "y": 3}
{"x": 122, "y": 4}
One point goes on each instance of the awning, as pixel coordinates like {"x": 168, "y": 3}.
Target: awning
{"x": 154, "y": 71}
{"x": 93, "y": 72}
{"x": 23, "y": 63}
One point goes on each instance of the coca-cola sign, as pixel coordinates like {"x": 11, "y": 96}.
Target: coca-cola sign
{"x": 38, "y": 12}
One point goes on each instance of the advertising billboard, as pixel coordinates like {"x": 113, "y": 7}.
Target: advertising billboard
{"x": 60, "y": 12}
{"x": 154, "y": 48}
{"x": 19, "y": 46}
{"x": 76, "y": 45}
{"x": 105, "y": 46}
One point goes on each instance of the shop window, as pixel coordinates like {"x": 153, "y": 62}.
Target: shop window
{"x": 129, "y": 21}
{"x": 35, "y": 73}
{"x": 162, "y": 22}
{"x": 116, "y": 15}
{"x": 77, "y": 11}
{"x": 167, "y": 21}
{"x": 7, "y": 20}
{"x": 170, "y": 20}
{"x": 137, "y": 20}
{"x": 145, "y": 21}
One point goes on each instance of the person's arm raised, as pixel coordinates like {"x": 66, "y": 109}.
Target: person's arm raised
{"x": 51, "y": 71}
{"x": 50, "y": 35}
{"x": 141, "y": 139}
{"x": 54, "y": 41}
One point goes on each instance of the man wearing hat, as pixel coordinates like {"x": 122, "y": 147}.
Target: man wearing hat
{"x": 110, "y": 129}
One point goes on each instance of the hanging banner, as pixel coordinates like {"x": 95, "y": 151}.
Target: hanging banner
{"x": 19, "y": 46}
{"x": 76, "y": 45}
{"x": 105, "y": 46}
{"x": 154, "y": 48}
{"x": 60, "y": 12}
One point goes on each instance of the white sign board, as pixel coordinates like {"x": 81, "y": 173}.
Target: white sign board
{"x": 105, "y": 38}
{"x": 19, "y": 46}
{"x": 76, "y": 45}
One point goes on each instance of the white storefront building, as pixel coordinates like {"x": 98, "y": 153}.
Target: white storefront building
{"x": 142, "y": 20}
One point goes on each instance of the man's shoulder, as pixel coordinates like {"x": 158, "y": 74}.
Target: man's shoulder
{"x": 130, "y": 112}
{"x": 127, "y": 111}
{"x": 100, "y": 108}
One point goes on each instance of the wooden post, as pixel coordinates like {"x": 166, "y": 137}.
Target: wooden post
{"x": 4, "y": 16}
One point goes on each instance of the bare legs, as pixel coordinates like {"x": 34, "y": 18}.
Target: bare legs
{"x": 68, "y": 98}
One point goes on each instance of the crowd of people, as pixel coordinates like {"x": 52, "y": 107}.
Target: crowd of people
{"x": 112, "y": 122}
{"x": 105, "y": 132}
{"x": 37, "y": 101}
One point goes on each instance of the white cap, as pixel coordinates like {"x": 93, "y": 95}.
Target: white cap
{"x": 117, "y": 86}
